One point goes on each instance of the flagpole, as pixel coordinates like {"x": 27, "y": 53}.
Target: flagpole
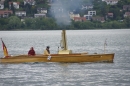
{"x": 105, "y": 43}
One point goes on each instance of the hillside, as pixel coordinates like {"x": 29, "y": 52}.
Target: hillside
{"x": 106, "y": 16}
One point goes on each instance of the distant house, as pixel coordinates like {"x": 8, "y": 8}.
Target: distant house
{"x": 15, "y": 4}
{"x": 98, "y": 18}
{"x": 88, "y": 17}
{"x": 57, "y": 10}
{"x": 126, "y": 7}
{"x": 92, "y": 13}
{"x": 39, "y": 15}
{"x": 72, "y": 15}
{"x": 20, "y": 13}
{"x": 86, "y": 7}
{"x": 31, "y": 2}
{"x": 1, "y": 4}
{"x": 42, "y": 10}
{"x": 5, "y": 13}
{"x": 81, "y": 19}
{"x": 111, "y": 2}
{"x": 110, "y": 15}
{"x": 127, "y": 14}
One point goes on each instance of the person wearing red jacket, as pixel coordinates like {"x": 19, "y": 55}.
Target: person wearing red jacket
{"x": 31, "y": 52}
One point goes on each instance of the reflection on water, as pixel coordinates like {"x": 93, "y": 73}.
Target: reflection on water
{"x": 67, "y": 74}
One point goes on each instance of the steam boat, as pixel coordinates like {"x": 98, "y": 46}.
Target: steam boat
{"x": 63, "y": 55}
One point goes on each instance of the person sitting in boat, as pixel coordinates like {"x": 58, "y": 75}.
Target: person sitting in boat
{"x": 47, "y": 51}
{"x": 31, "y": 52}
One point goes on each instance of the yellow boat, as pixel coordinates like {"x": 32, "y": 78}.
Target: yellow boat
{"x": 64, "y": 55}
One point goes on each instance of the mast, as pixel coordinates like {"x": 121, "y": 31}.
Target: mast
{"x": 64, "y": 42}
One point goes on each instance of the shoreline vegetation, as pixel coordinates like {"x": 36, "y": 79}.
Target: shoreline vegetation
{"x": 13, "y": 22}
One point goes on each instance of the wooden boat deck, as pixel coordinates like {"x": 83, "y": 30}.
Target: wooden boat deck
{"x": 60, "y": 58}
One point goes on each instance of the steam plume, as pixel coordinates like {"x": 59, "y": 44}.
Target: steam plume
{"x": 60, "y": 9}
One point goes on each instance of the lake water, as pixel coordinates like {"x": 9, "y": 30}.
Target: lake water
{"x": 67, "y": 74}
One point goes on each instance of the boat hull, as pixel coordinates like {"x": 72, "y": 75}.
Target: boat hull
{"x": 70, "y": 58}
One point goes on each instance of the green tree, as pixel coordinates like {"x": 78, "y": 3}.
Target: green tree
{"x": 127, "y": 22}
{"x": 28, "y": 22}
{"x": 3, "y": 23}
{"x": 123, "y": 2}
{"x": 34, "y": 9}
{"x": 6, "y": 4}
{"x": 12, "y": 8}
{"x": 28, "y": 9}
{"x": 116, "y": 11}
{"x": 101, "y": 7}
{"x": 106, "y": 25}
{"x": 14, "y": 22}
